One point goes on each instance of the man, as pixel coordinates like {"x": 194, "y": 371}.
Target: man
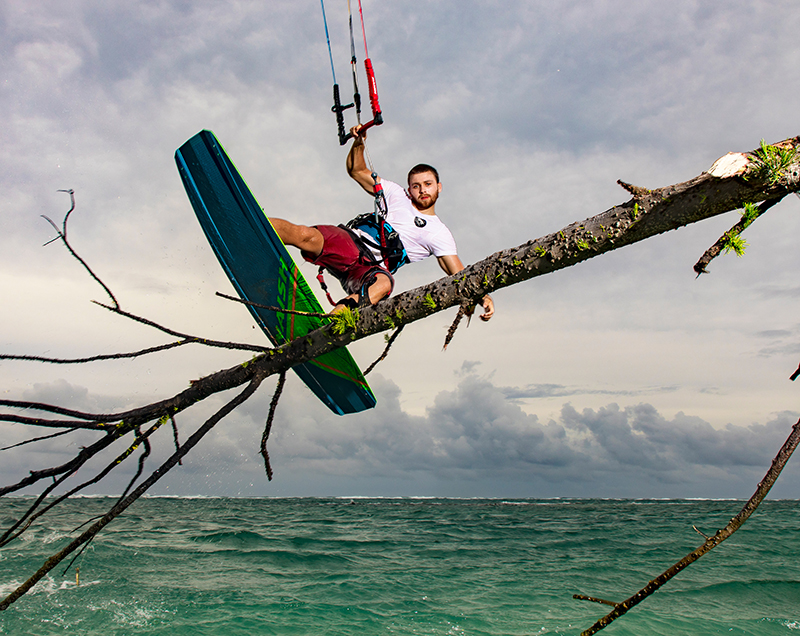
{"x": 412, "y": 215}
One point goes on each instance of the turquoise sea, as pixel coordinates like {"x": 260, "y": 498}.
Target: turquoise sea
{"x": 227, "y": 567}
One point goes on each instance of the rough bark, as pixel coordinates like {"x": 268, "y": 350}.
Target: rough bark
{"x": 733, "y": 181}
{"x": 648, "y": 213}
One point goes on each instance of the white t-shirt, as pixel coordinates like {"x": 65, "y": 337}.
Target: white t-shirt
{"x": 423, "y": 235}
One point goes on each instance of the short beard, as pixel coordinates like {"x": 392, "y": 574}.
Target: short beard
{"x": 426, "y": 205}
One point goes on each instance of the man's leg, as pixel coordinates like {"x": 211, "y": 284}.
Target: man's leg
{"x": 344, "y": 255}
{"x": 307, "y": 239}
{"x": 380, "y": 288}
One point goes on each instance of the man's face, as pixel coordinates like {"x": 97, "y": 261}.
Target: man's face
{"x": 423, "y": 190}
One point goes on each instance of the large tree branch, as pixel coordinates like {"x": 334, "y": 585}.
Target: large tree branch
{"x": 650, "y": 212}
{"x": 728, "y": 185}
{"x": 734, "y": 524}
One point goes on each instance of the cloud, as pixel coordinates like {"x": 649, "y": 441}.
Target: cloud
{"x": 472, "y": 440}
{"x": 475, "y": 432}
{"x": 639, "y": 436}
{"x": 531, "y": 110}
{"x": 533, "y": 391}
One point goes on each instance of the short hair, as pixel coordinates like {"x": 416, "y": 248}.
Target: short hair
{"x": 420, "y": 168}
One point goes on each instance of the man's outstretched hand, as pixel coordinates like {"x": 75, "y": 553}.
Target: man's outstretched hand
{"x": 488, "y": 307}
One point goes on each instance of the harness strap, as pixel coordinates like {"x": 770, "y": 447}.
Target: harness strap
{"x": 380, "y": 216}
{"x": 322, "y": 284}
{"x": 365, "y": 257}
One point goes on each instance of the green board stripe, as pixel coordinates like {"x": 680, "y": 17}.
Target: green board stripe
{"x": 262, "y": 271}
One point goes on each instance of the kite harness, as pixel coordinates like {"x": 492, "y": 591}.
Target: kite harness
{"x": 373, "y": 230}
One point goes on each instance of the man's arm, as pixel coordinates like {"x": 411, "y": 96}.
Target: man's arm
{"x": 451, "y": 264}
{"x": 356, "y": 165}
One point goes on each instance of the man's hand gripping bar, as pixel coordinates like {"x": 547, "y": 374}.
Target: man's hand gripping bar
{"x": 377, "y": 116}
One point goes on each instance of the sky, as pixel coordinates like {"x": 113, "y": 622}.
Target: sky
{"x": 624, "y": 376}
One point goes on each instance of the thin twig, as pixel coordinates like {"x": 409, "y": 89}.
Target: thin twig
{"x": 38, "y": 421}
{"x": 62, "y": 234}
{"x": 735, "y": 523}
{"x": 389, "y": 344}
{"x": 268, "y": 427}
{"x": 452, "y": 330}
{"x": 712, "y": 252}
{"x": 142, "y": 458}
{"x": 583, "y": 597}
{"x": 125, "y": 421}
{"x": 51, "y": 408}
{"x": 175, "y": 437}
{"x": 190, "y": 339}
{"x": 702, "y": 534}
{"x": 122, "y": 356}
{"x": 280, "y": 310}
{"x": 38, "y": 439}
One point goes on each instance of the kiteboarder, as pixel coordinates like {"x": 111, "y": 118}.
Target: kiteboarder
{"x": 359, "y": 263}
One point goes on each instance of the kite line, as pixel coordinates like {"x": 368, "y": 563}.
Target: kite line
{"x": 338, "y": 108}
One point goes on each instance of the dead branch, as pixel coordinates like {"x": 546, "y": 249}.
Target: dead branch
{"x": 59, "y": 473}
{"x": 117, "y": 309}
{"x": 185, "y": 337}
{"x": 654, "y": 212}
{"x": 294, "y": 312}
{"x": 268, "y": 427}
{"x": 175, "y": 436}
{"x": 735, "y": 523}
{"x": 30, "y": 515}
{"x": 37, "y": 439}
{"x": 389, "y": 343}
{"x": 118, "y": 508}
{"x": 136, "y": 354}
{"x": 452, "y": 330}
{"x": 62, "y": 234}
{"x": 723, "y": 241}
{"x": 583, "y": 597}
{"x": 650, "y": 212}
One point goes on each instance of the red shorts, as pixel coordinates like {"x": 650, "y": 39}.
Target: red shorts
{"x": 346, "y": 260}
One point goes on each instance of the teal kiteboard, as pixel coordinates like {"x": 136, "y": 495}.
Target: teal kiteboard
{"x": 262, "y": 271}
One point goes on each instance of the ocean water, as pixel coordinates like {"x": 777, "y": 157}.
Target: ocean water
{"x": 225, "y": 567}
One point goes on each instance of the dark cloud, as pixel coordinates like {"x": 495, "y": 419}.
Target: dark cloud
{"x": 774, "y": 333}
{"x": 467, "y": 367}
{"x": 640, "y": 436}
{"x": 780, "y": 349}
{"x": 472, "y": 439}
{"x": 533, "y": 391}
{"x": 476, "y": 432}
